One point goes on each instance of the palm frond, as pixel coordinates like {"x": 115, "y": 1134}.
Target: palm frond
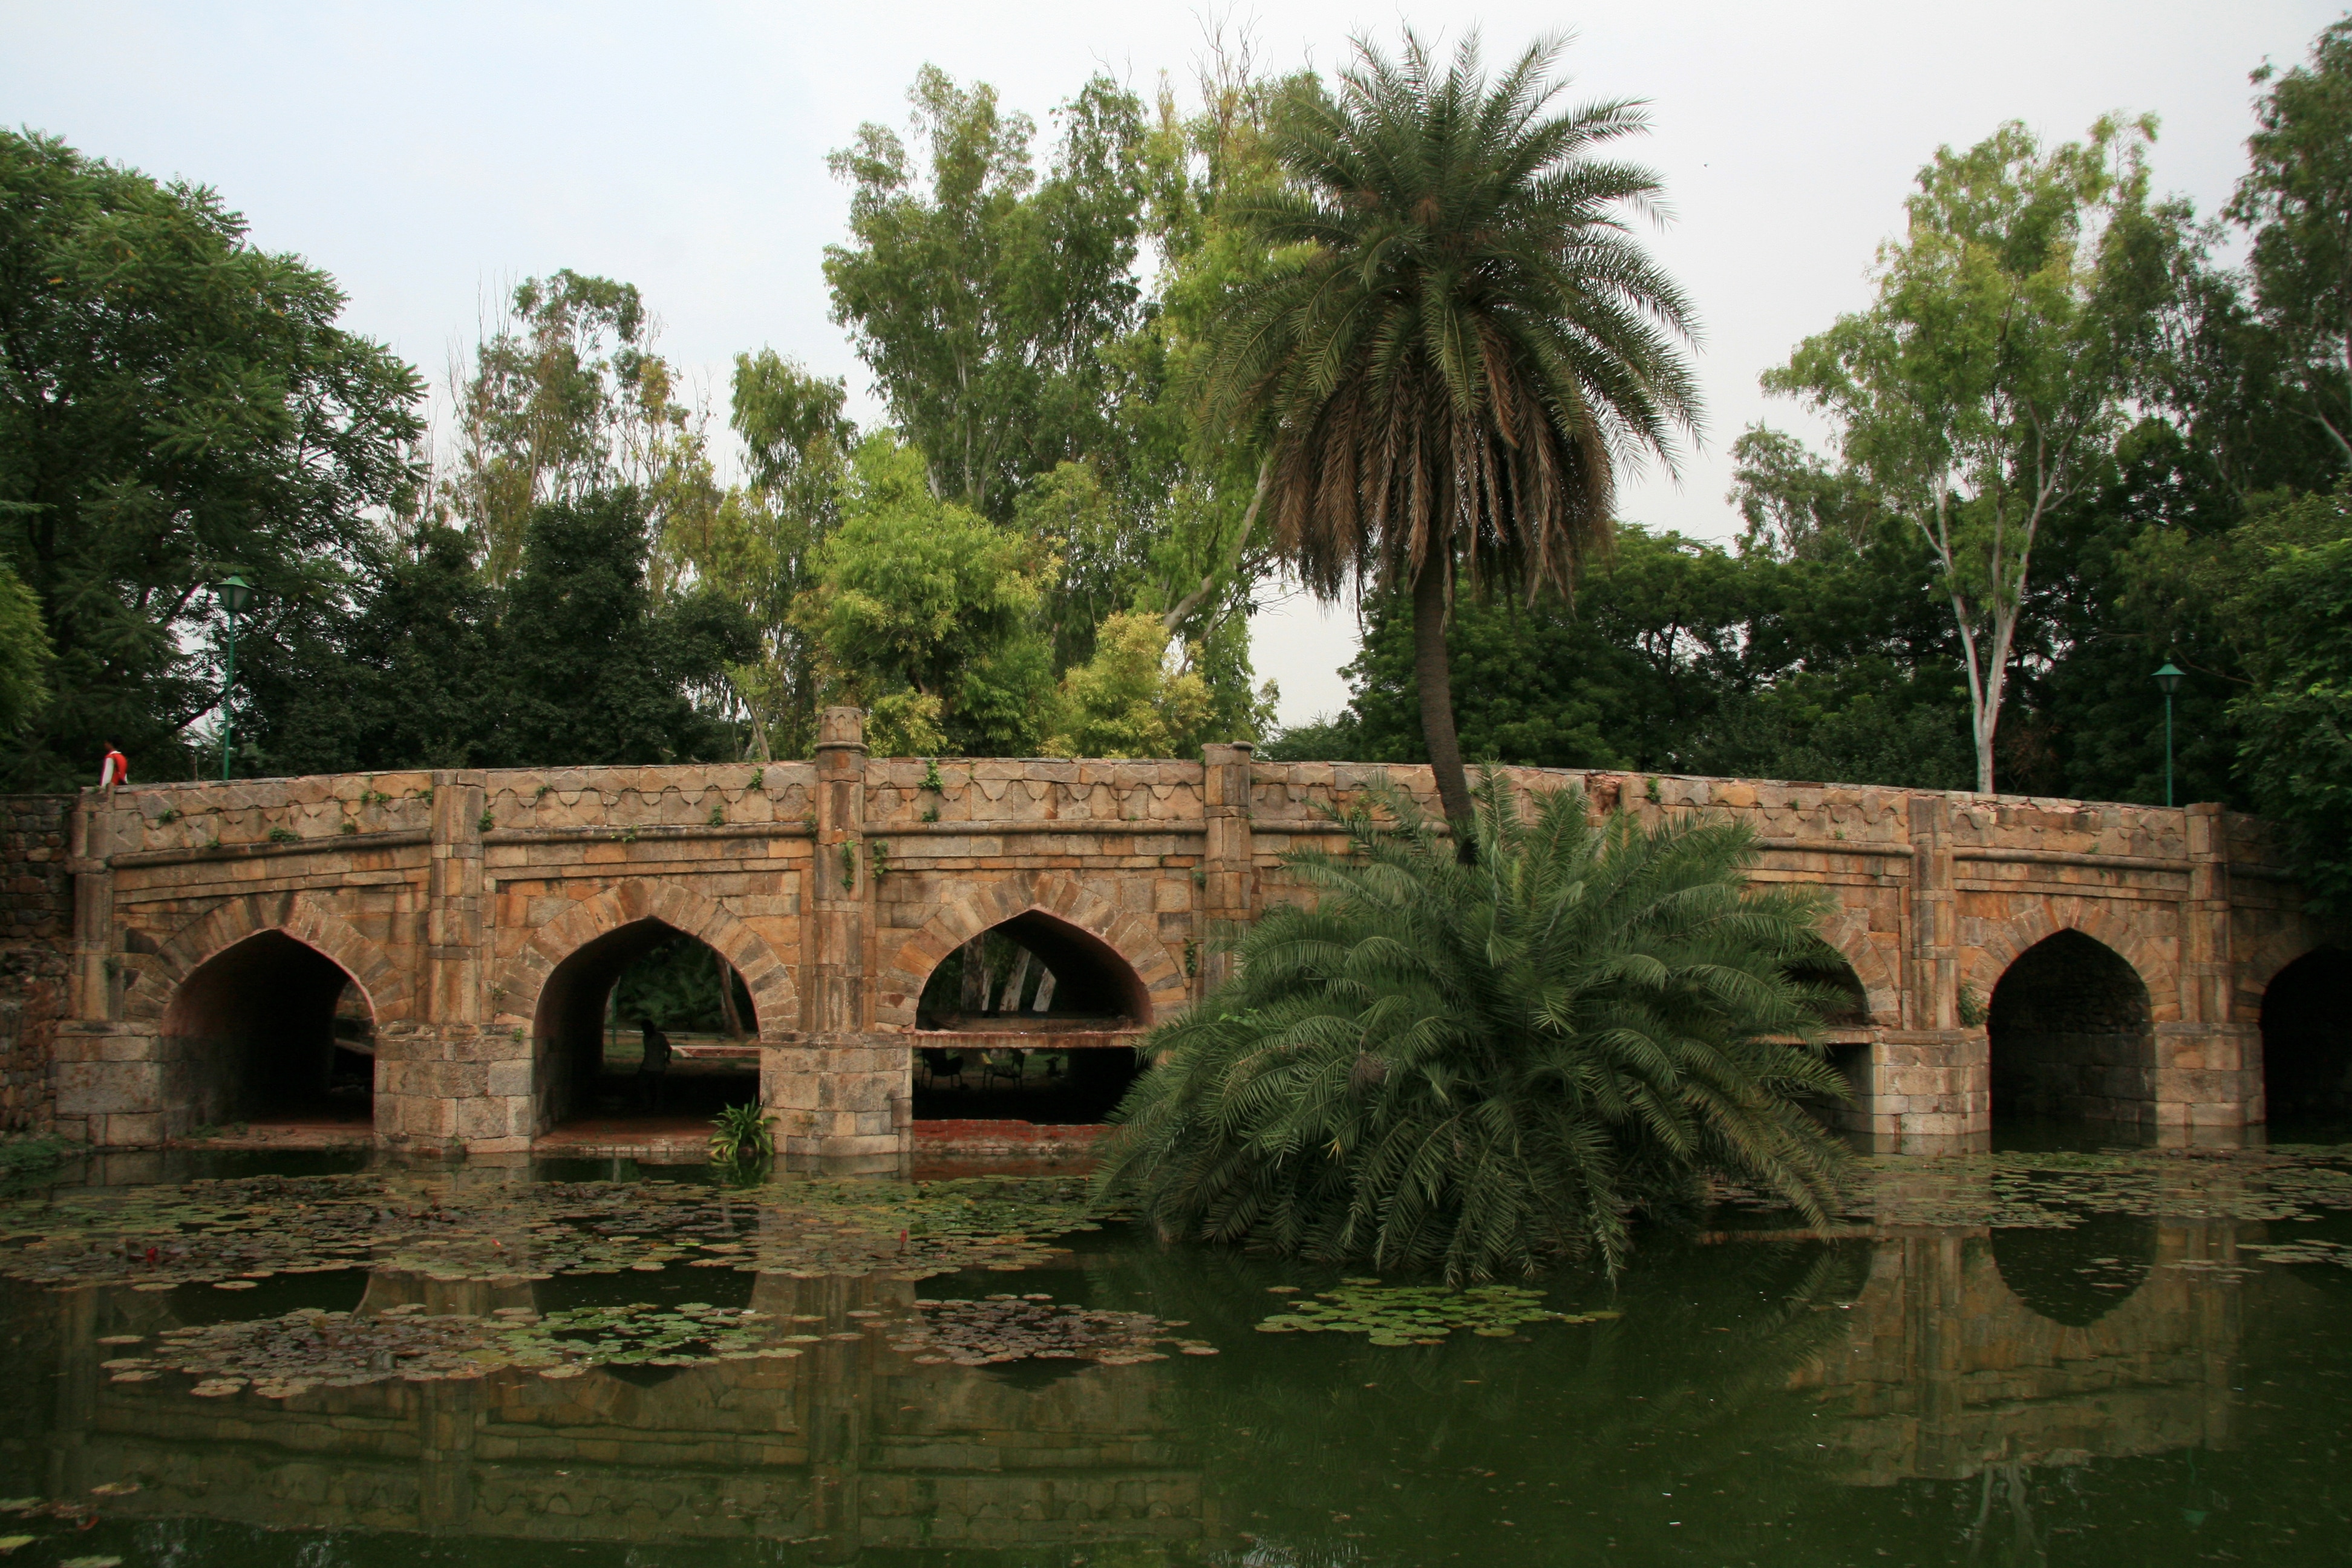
{"x": 1482, "y": 1068}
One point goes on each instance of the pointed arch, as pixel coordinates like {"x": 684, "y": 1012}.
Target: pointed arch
{"x": 1996, "y": 947}
{"x": 304, "y": 917}
{"x": 2070, "y": 1032}
{"x": 515, "y": 998}
{"x": 1848, "y": 930}
{"x": 1133, "y": 938}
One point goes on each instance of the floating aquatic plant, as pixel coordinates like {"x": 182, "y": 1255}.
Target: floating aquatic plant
{"x": 1418, "y": 1315}
{"x": 1008, "y": 1328}
{"x": 277, "y": 1358}
{"x": 229, "y": 1232}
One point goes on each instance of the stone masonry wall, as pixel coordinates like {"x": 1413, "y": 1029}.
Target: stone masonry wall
{"x": 35, "y": 927}
{"x": 469, "y": 906}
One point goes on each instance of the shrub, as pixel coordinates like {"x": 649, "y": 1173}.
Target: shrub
{"x": 1490, "y": 1067}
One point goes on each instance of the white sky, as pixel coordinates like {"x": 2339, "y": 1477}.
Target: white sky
{"x": 429, "y": 155}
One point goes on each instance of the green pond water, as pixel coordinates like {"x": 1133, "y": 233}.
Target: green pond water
{"x": 2060, "y": 1354}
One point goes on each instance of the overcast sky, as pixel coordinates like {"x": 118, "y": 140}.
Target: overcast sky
{"x": 428, "y": 156}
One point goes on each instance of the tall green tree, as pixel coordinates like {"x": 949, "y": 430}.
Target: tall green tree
{"x": 598, "y": 670}
{"x": 567, "y": 396}
{"x": 979, "y": 293}
{"x": 760, "y": 548}
{"x": 926, "y": 614}
{"x": 174, "y": 405}
{"x": 1984, "y": 387}
{"x": 25, "y": 655}
{"x": 1455, "y": 343}
{"x": 2297, "y": 203}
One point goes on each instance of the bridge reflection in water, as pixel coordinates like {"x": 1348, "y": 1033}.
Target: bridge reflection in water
{"x": 850, "y": 1443}
{"x": 1961, "y": 1354}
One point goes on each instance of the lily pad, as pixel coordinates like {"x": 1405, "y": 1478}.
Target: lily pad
{"x": 1005, "y": 1328}
{"x": 1394, "y": 1315}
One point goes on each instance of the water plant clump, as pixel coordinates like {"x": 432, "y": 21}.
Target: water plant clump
{"x": 1004, "y": 1328}
{"x": 644, "y": 1334}
{"x": 742, "y": 1135}
{"x": 277, "y": 1358}
{"x": 227, "y": 1233}
{"x": 1484, "y": 1068}
{"x": 2059, "y": 1189}
{"x": 1419, "y": 1315}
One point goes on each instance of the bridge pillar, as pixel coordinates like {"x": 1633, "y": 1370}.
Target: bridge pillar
{"x": 1227, "y": 868}
{"x": 106, "y": 1074}
{"x": 843, "y": 1093}
{"x": 1931, "y": 1077}
{"x": 2208, "y": 1066}
{"x": 445, "y": 1079}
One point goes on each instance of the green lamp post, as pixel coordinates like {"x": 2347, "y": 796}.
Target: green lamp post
{"x": 234, "y": 594}
{"x": 2167, "y": 680}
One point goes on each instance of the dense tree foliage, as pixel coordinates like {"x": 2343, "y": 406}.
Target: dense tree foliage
{"x": 573, "y": 661}
{"x": 1486, "y": 1067}
{"x": 174, "y": 405}
{"x": 1684, "y": 656}
{"x": 25, "y": 654}
{"x": 927, "y": 614}
{"x": 2143, "y": 416}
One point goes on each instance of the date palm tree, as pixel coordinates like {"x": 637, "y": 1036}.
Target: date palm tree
{"x": 1490, "y": 1066}
{"x": 1457, "y": 344}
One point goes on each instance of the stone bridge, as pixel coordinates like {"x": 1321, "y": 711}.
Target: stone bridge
{"x": 2103, "y": 961}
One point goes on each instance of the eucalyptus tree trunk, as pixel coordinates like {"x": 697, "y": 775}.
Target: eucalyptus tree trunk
{"x": 731, "y": 1015}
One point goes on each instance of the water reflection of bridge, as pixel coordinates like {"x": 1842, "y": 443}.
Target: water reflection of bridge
{"x": 1970, "y": 1348}
{"x": 1963, "y": 1353}
{"x": 852, "y": 1446}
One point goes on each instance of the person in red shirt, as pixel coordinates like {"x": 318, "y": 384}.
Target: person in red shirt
{"x": 115, "y": 770}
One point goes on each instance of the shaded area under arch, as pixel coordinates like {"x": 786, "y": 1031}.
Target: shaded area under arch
{"x": 2072, "y": 1035}
{"x": 267, "y": 1029}
{"x": 2307, "y": 1026}
{"x": 1034, "y": 1020}
{"x": 1845, "y": 1024}
{"x": 589, "y": 1056}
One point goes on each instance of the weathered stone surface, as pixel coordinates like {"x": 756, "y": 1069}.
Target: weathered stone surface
{"x": 465, "y": 941}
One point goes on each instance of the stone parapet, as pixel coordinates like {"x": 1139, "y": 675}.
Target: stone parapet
{"x": 485, "y": 914}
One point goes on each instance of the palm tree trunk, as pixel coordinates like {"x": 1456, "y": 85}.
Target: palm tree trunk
{"x": 1433, "y": 676}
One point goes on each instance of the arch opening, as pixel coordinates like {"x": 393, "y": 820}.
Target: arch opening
{"x": 2306, "y": 1023}
{"x": 1034, "y": 1020}
{"x": 1845, "y": 1028}
{"x": 269, "y": 1029}
{"x": 2072, "y": 1035}
{"x": 644, "y": 1024}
